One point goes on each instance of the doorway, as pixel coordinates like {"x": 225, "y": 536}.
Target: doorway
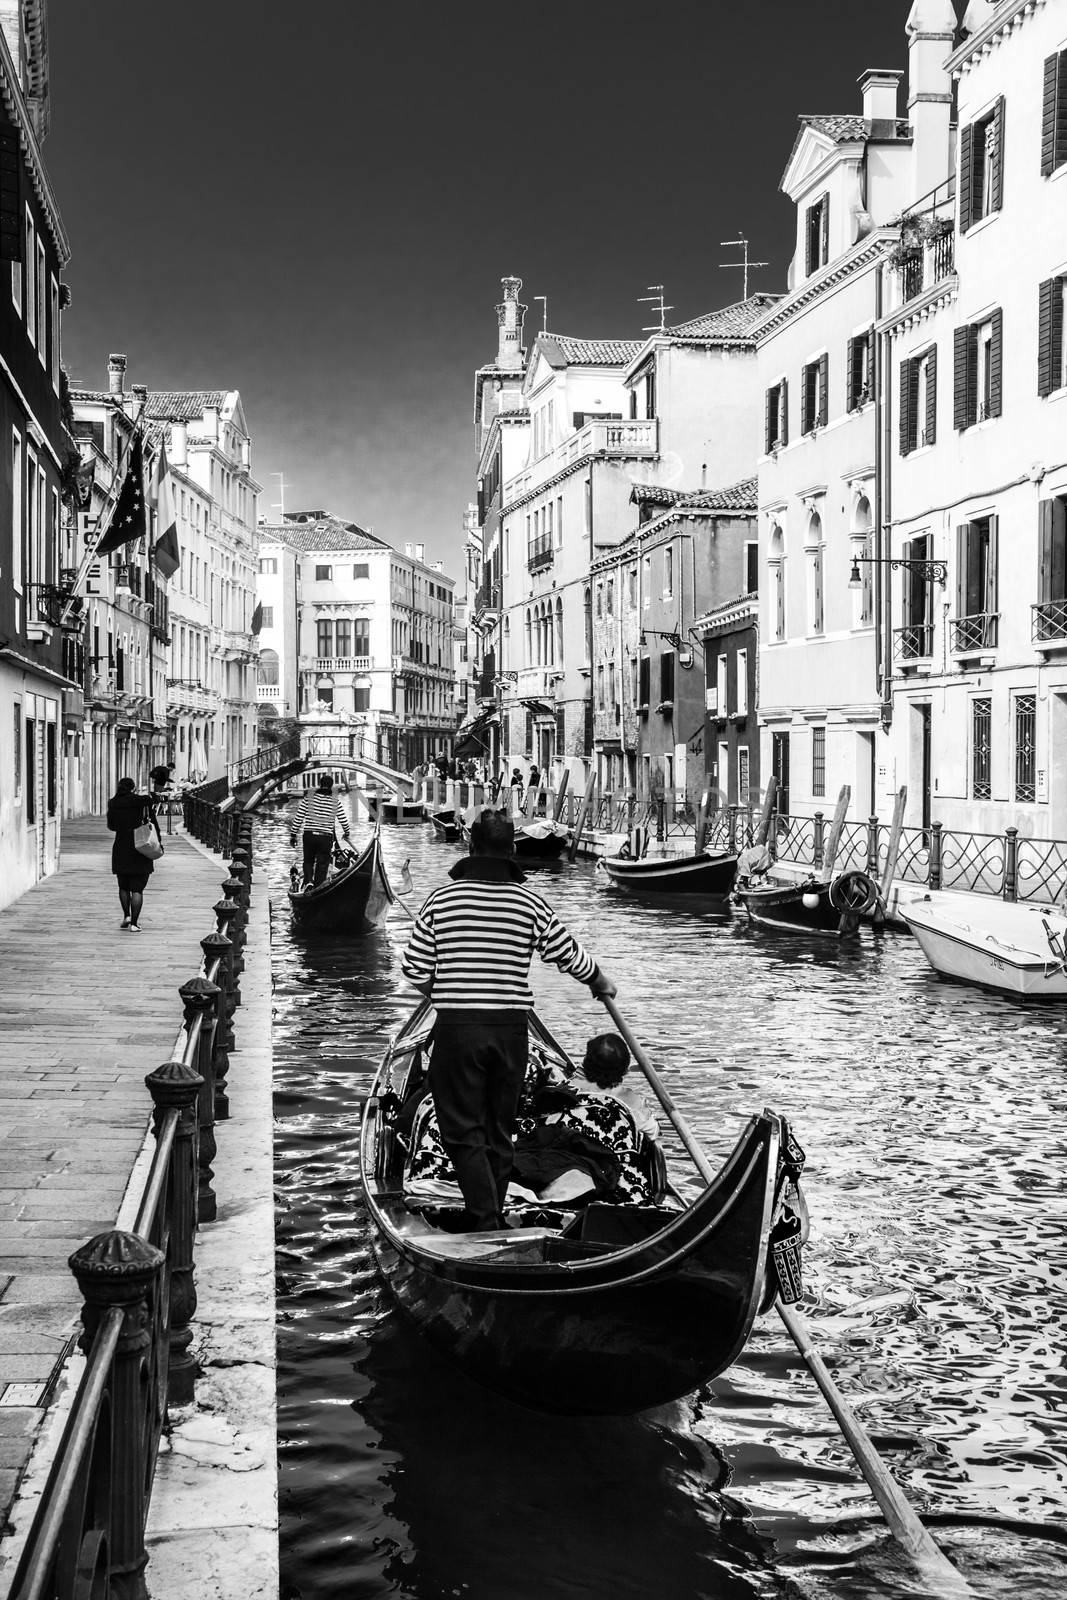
{"x": 926, "y": 777}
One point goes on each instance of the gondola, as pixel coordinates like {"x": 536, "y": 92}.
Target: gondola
{"x": 445, "y": 826}
{"x": 704, "y": 874}
{"x": 354, "y": 897}
{"x": 539, "y": 839}
{"x": 397, "y": 809}
{"x": 597, "y": 1309}
{"x": 811, "y": 905}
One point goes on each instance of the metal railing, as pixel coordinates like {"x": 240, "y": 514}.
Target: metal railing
{"x": 87, "y": 1537}
{"x": 913, "y": 642}
{"x": 1048, "y": 621}
{"x": 976, "y": 632}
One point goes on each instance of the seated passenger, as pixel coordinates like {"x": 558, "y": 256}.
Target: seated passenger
{"x": 601, "y": 1075}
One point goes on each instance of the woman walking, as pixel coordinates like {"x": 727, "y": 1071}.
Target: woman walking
{"x": 126, "y": 811}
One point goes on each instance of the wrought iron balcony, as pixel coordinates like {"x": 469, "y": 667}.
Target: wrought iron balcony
{"x": 539, "y": 553}
{"x": 913, "y": 642}
{"x": 977, "y": 632}
{"x": 1049, "y": 621}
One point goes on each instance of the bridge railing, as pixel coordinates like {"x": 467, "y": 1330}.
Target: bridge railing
{"x": 264, "y": 760}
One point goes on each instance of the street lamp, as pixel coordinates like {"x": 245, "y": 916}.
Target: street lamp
{"x": 932, "y": 571}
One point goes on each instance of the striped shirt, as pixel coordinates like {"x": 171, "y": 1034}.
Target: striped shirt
{"x": 317, "y": 813}
{"x": 473, "y": 941}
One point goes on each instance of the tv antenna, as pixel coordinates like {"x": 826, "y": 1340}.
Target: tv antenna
{"x": 544, "y": 305}
{"x": 279, "y": 504}
{"x": 655, "y": 298}
{"x": 745, "y": 264}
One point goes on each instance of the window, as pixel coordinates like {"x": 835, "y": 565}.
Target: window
{"x": 42, "y": 302}
{"x": 859, "y": 379}
{"x": 361, "y": 696}
{"x": 268, "y": 564}
{"x": 323, "y": 574}
{"x": 644, "y": 689}
{"x": 976, "y": 377}
{"x": 17, "y": 749}
{"x": 741, "y": 682}
{"x": 266, "y": 616}
{"x": 743, "y": 795}
{"x": 267, "y": 667}
{"x": 666, "y": 676}
{"x": 1054, "y": 114}
{"x": 600, "y": 688}
{"x": 752, "y": 567}
{"x": 668, "y": 572}
{"x": 817, "y": 235}
{"x": 611, "y": 683}
{"x": 916, "y": 636}
{"x": 918, "y": 401}
{"x": 818, "y": 761}
{"x": 776, "y": 430}
{"x": 324, "y": 638}
{"x": 30, "y": 259}
{"x": 1051, "y": 345}
{"x": 31, "y": 771}
{"x": 981, "y": 167}
{"x": 16, "y": 511}
{"x": 722, "y": 701}
{"x": 55, "y": 346}
{"x": 975, "y": 625}
{"x": 559, "y": 523}
{"x": 361, "y": 570}
{"x": 361, "y": 637}
{"x": 647, "y": 581}
{"x": 343, "y": 637}
{"x": 981, "y": 738}
{"x": 600, "y": 599}
{"x": 610, "y": 597}
{"x": 1025, "y": 720}
{"x": 813, "y": 399}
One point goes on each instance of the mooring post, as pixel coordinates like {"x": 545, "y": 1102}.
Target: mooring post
{"x": 1011, "y": 864}
{"x": 933, "y": 876}
{"x": 819, "y": 841}
{"x": 120, "y": 1272}
{"x": 872, "y": 847}
{"x": 176, "y": 1086}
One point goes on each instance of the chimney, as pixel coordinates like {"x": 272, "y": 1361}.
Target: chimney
{"x": 116, "y": 374}
{"x": 931, "y": 30}
{"x": 509, "y": 315}
{"x": 878, "y": 87}
{"x": 407, "y": 551}
{"x": 179, "y": 445}
{"x": 420, "y": 552}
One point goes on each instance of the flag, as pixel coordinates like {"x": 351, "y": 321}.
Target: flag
{"x": 166, "y": 550}
{"x": 128, "y": 518}
{"x": 257, "y": 619}
{"x": 84, "y": 478}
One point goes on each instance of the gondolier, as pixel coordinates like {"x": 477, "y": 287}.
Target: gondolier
{"x": 470, "y": 953}
{"x": 317, "y": 814}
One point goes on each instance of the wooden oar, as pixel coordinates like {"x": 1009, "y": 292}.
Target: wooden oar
{"x": 892, "y": 851}
{"x": 834, "y": 838}
{"x": 905, "y": 1526}
{"x": 583, "y": 812}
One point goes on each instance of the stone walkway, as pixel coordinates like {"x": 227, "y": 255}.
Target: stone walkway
{"x": 86, "y": 1010}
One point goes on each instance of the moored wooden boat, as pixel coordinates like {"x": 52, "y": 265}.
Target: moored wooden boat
{"x": 598, "y": 1309}
{"x": 810, "y": 905}
{"x": 397, "y": 808}
{"x": 536, "y": 839}
{"x": 445, "y": 826}
{"x": 356, "y": 896}
{"x": 1014, "y": 949}
{"x": 699, "y": 874}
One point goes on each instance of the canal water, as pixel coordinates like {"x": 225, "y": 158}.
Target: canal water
{"x": 934, "y": 1122}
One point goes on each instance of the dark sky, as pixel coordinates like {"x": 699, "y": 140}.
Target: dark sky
{"x": 314, "y": 202}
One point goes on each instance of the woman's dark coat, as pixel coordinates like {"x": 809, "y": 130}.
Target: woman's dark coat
{"x": 125, "y": 812}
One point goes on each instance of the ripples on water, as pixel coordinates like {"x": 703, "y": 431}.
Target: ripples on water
{"x": 933, "y": 1118}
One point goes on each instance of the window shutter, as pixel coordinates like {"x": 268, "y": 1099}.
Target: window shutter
{"x": 850, "y": 374}
{"x": 1058, "y": 535}
{"x": 804, "y": 389}
{"x": 990, "y": 599}
{"x": 998, "y": 170}
{"x": 10, "y": 203}
{"x": 960, "y": 341}
{"x": 966, "y": 175}
{"x": 809, "y": 253}
{"x": 961, "y": 569}
{"x": 931, "y": 394}
{"x": 824, "y": 389}
{"x": 905, "y": 408}
{"x": 1044, "y": 569}
{"x": 1048, "y": 115}
{"x": 824, "y": 229}
{"x": 1045, "y": 294}
{"x": 768, "y": 420}
{"x": 783, "y": 428}
{"x": 996, "y": 364}
{"x": 1059, "y": 150}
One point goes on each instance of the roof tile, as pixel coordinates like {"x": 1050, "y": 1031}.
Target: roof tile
{"x": 729, "y": 322}
{"x": 588, "y": 352}
{"x": 327, "y": 533}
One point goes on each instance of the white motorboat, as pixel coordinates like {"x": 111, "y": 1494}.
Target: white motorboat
{"x": 996, "y": 944}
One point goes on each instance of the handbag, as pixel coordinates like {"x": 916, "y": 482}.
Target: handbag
{"x": 146, "y": 841}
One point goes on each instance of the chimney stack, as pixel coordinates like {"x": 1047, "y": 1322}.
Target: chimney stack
{"x": 878, "y": 87}
{"x": 116, "y": 374}
{"x": 420, "y": 552}
{"x": 509, "y": 315}
{"x": 931, "y": 30}
{"x": 179, "y": 445}
{"x": 407, "y": 551}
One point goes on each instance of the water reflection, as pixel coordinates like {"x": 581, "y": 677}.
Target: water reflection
{"x": 933, "y": 1118}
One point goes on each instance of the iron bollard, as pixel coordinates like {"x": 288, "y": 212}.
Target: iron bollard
{"x": 1011, "y": 864}
{"x": 200, "y": 998}
{"x": 218, "y": 945}
{"x": 731, "y": 829}
{"x": 818, "y": 848}
{"x": 872, "y": 847}
{"x": 119, "y": 1272}
{"x": 933, "y": 876}
{"x": 176, "y": 1085}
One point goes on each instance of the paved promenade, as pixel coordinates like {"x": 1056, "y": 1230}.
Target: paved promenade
{"x": 86, "y": 1009}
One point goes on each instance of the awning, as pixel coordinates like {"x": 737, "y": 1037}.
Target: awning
{"x": 539, "y": 708}
{"x": 471, "y": 738}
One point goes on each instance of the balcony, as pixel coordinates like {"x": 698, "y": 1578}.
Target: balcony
{"x": 926, "y": 253}
{"x": 341, "y": 663}
{"x": 268, "y": 691}
{"x": 976, "y": 634}
{"x": 539, "y": 553}
{"x": 487, "y": 600}
{"x": 913, "y": 642}
{"x": 619, "y": 439}
{"x": 1049, "y": 624}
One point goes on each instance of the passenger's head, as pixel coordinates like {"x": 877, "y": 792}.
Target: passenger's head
{"x": 493, "y": 834}
{"x": 606, "y": 1060}
{"x": 326, "y": 783}
{"x": 126, "y": 786}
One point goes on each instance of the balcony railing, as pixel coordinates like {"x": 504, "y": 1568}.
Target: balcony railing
{"x": 539, "y": 553}
{"x": 1049, "y": 621}
{"x": 601, "y": 436}
{"x": 341, "y": 663}
{"x": 977, "y": 632}
{"x": 913, "y": 642}
{"x": 268, "y": 691}
{"x": 488, "y": 598}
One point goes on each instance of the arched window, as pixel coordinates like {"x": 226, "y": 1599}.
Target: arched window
{"x": 861, "y": 545}
{"x": 611, "y": 597}
{"x": 529, "y": 640}
{"x": 776, "y": 564}
{"x": 267, "y": 670}
{"x": 813, "y": 547}
{"x": 587, "y": 624}
{"x": 559, "y": 632}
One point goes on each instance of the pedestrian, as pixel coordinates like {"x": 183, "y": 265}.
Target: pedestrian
{"x": 162, "y": 777}
{"x": 126, "y": 811}
{"x": 535, "y": 777}
{"x": 441, "y": 763}
{"x": 470, "y": 953}
{"x": 317, "y": 814}
{"x": 516, "y": 780}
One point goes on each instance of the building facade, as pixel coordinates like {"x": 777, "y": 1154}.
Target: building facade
{"x": 278, "y": 615}
{"x": 40, "y": 665}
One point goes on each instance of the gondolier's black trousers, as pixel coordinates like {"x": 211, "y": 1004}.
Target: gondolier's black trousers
{"x": 476, "y": 1075}
{"x": 318, "y": 847}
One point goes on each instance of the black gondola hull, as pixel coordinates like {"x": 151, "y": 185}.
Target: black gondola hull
{"x": 351, "y": 901}
{"x": 782, "y": 906}
{"x": 703, "y": 874}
